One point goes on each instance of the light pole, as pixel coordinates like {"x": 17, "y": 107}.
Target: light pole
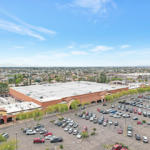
{"x": 16, "y": 140}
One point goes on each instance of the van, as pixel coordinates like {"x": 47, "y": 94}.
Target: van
{"x": 5, "y": 135}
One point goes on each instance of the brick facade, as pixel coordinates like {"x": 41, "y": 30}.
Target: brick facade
{"x": 82, "y": 98}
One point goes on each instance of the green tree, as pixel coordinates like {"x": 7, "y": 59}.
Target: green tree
{"x": 85, "y": 134}
{"x": 2, "y": 139}
{"x": 74, "y": 104}
{"x": 18, "y": 81}
{"x": 49, "y": 79}
{"x": 38, "y": 115}
{"x": 9, "y": 145}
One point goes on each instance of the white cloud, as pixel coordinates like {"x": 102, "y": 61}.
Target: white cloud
{"x": 102, "y": 48}
{"x": 85, "y": 46}
{"x": 125, "y": 46}
{"x": 78, "y": 53}
{"x": 72, "y": 46}
{"x": 23, "y": 28}
{"x": 94, "y": 5}
{"x": 18, "y": 47}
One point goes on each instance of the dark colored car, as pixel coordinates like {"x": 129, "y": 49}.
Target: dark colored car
{"x": 104, "y": 104}
{"x": 101, "y": 111}
{"x": 80, "y": 115}
{"x": 25, "y": 129}
{"x": 100, "y": 122}
{"x": 87, "y": 117}
{"x": 59, "y": 123}
{"x": 105, "y": 112}
{"x": 64, "y": 124}
{"x": 39, "y": 126}
{"x": 137, "y": 137}
{"x": 116, "y": 123}
{"x": 135, "y": 118}
{"x": 56, "y": 139}
{"x": 38, "y": 140}
{"x": 95, "y": 120}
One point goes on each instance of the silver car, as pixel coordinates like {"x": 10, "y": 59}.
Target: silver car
{"x": 104, "y": 123}
{"x": 30, "y": 132}
{"x": 75, "y": 132}
{"x": 91, "y": 119}
{"x": 67, "y": 128}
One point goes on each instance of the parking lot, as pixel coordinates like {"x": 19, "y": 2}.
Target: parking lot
{"x": 104, "y": 135}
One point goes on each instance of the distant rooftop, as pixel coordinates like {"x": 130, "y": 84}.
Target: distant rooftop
{"x": 50, "y": 92}
{"x": 17, "y": 107}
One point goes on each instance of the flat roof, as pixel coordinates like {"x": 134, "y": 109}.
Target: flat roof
{"x": 56, "y": 91}
{"x": 17, "y": 107}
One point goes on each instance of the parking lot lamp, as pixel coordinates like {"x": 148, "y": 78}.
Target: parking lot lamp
{"x": 16, "y": 140}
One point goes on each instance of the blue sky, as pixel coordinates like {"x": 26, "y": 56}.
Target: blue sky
{"x": 74, "y": 33}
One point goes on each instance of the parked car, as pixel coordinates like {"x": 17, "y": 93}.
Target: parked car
{"x": 105, "y": 112}
{"x": 30, "y": 132}
{"x": 40, "y": 129}
{"x": 80, "y": 115}
{"x": 100, "y": 121}
{"x": 56, "y": 139}
{"x": 120, "y": 131}
{"x": 129, "y": 128}
{"x": 110, "y": 122}
{"x": 111, "y": 115}
{"x": 75, "y": 125}
{"x": 59, "y": 123}
{"x": 145, "y": 140}
{"x": 94, "y": 115}
{"x": 102, "y": 118}
{"x": 112, "y": 106}
{"x": 129, "y": 133}
{"x": 70, "y": 130}
{"x": 135, "y": 118}
{"x": 148, "y": 123}
{"x": 86, "y": 113}
{"x": 44, "y": 131}
{"x": 39, "y": 126}
{"x": 135, "y": 111}
{"x": 118, "y": 147}
{"x": 83, "y": 117}
{"x": 84, "y": 129}
{"x": 71, "y": 124}
{"x": 79, "y": 136}
{"x": 87, "y": 117}
{"x": 64, "y": 124}
{"x": 104, "y": 104}
{"x": 25, "y": 129}
{"x": 116, "y": 116}
{"x": 49, "y": 137}
{"x": 48, "y": 133}
{"x": 5, "y": 135}
{"x": 95, "y": 120}
{"x": 67, "y": 128}
{"x": 91, "y": 119}
{"x": 38, "y": 140}
{"x": 75, "y": 132}
{"x": 90, "y": 114}
{"x": 82, "y": 108}
{"x": 98, "y": 109}
{"x": 104, "y": 123}
{"x": 101, "y": 111}
{"x": 56, "y": 122}
{"x": 65, "y": 119}
{"x": 139, "y": 122}
{"x": 137, "y": 137}
{"x": 116, "y": 123}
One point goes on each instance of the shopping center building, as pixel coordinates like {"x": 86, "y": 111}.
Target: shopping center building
{"x": 50, "y": 94}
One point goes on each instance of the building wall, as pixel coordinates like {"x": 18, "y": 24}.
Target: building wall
{"x": 3, "y": 113}
{"x": 82, "y": 98}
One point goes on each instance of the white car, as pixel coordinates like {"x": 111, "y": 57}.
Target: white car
{"x": 71, "y": 124}
{"x": 94, "y": 115}
{"x": 110, "y": 122}
{"x": 126, "y": 115}
{"x": 116, "y": 116}
{"x": 129, "y": 133}
{"x": 111, "y": 115}
{"x": 79, "y": 136}
{"x": 91, "y": 119}
{"x": 30, "y": 132}
{"x": 71, "y": 121}
{"x": 112, "y": 106}
{"x": 40, "y": 129}
{"x": 141, "y": 106}
{"x": 148, "y": 112}
{"x": 104, "y": 123}
{"x": 145, "y": 140}
{"x": 49, "y": 137}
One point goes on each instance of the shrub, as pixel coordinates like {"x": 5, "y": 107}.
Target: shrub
{"x": 52, "y": 121}
{"x": 85, "y": 134}
{"x": 83, "y": 112}
{"x": 92, "y": 133}
{"x": 2, "y": 139}
{"x": 75, "y": 114}
{"x": 61, "y": 118}
{"x": 61, "y": 147}
{"x": 38, "y": 124}
{"x": 94, "y": 129}
{"x": 144, "y": 121}
{"x": 22, "y": 128}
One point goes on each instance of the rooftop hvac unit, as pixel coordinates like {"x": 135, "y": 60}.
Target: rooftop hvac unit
{"x": 28, "y": 94}
{"x": 40, "y": 97}
{"x": 90, "y": 92}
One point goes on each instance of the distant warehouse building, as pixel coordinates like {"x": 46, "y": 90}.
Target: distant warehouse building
{"x": 50, "y": 94}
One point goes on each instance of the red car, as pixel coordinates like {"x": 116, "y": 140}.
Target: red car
{"x": 38, "y": 140}
{"x": 118, "y": 147}
{"x": 98, "y": 109}
{"x": 106, "y": 120}
{"x": 140, "y": 96}
{"x": 86, "y": 113}
{"x": 84, "y": 129}
{"x": 139, "y": 122}
{"x": 48, "y": 133}
{"x": 120, "y": 131}
{"x": 135, "y": 110}
{"x": 139, "y": 113}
